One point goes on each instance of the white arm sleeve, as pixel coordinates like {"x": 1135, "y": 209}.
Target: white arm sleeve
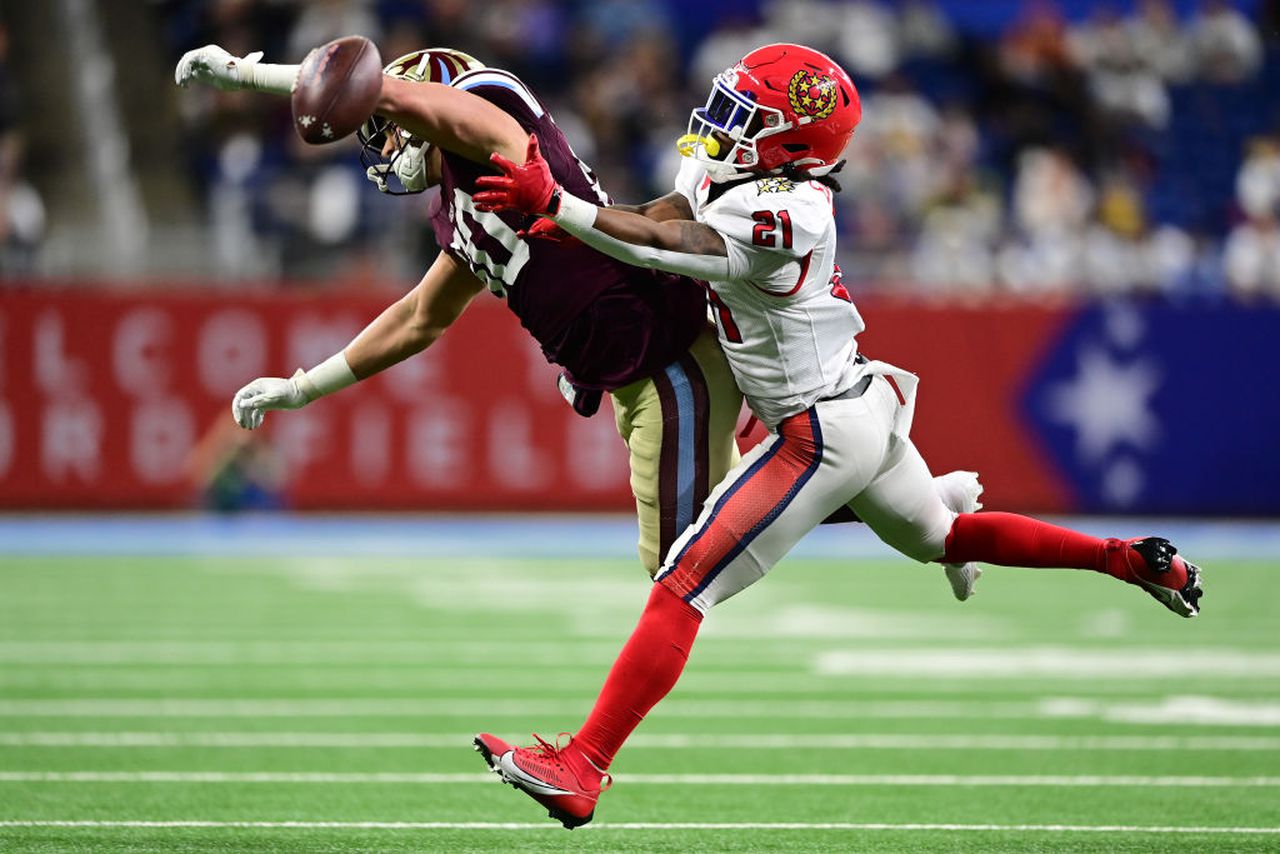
{"x": 578, "y": 217}
{"x": 276, "y": 79}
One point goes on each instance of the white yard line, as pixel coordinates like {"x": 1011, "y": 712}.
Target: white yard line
{"x": 433, "y": 658}
{"x": 606, "y": 826}
{"x": 1048, "y": 663}
{"x": 1187, "y": 710}
{"x": 345, "y": 778}
{"x": 673, "y": 741}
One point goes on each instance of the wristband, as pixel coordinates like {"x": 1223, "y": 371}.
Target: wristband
{"x": 333, "y": 374}
{"x": 575, "y": 213}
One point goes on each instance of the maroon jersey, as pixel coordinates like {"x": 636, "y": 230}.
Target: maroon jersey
{"x": 607, "y": 323}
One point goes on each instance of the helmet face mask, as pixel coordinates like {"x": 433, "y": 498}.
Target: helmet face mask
{"x": 781, "y": 105}
{"x": 400, "y": 171}
{"x": 723, "y": 133}
{"x": 394, "y": 160}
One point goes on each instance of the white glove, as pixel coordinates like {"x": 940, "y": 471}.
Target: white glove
{"x": 251, "y": 403}
{"x": 213, "y": 66}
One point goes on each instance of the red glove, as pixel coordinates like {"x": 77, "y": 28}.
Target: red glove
{"x": 527, "y": 188}
{"x": 545, "y": 229}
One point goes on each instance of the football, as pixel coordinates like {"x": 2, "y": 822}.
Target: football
{"x": 337, "y": 89}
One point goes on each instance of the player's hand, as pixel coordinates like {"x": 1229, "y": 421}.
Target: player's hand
{"x": 252, "y": 403}
{"x": 526, "y": 187}
{"x": 215, "y": 67}
{"x": 546, "y": 229}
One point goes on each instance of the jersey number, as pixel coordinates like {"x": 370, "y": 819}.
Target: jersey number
{"x": 767, "y": 224}
{"x": 494, "y": 252}
{"x": 731, "y": 332}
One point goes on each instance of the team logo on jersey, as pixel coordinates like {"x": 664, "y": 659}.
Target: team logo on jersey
{"x": 812, "y": 94}
{"x": 775, "y": 184}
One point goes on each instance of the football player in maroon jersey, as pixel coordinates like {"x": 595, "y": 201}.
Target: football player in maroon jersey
{"x": 640, "y": 335}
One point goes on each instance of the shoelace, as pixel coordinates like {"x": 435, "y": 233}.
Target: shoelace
{"x": 551, "y": 752}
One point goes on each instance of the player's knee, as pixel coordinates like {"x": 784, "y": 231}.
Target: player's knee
{"x": 924, "y": 545}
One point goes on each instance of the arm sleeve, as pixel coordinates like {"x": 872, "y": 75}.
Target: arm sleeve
{"x": 687, "y": 179}
{"x": 276, "y": 79}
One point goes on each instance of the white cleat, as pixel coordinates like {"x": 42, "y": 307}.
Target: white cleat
{"x": 959, "y": 491}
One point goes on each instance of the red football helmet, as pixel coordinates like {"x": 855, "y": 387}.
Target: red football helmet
{"x": 780, "y": 104}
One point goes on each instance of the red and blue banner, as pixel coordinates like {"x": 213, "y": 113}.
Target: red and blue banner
{"x": 121, "y": 400}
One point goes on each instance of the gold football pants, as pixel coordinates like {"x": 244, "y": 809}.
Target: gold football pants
{"x": 679, "y": 429}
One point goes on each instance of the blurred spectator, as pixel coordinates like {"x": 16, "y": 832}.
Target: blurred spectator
{"x": 1226, "y": 47}
{"x": 1035, "y": 48}
{"x": 819, "y": 23}
{"x": 1051, "y": 202}
{"x": 1251, "y": 259}
{"x": 729, "y": 42}
{"x": 926, "y": 32}
{"x": 1258, "y": 183}
{"x": 22, "y": 216}
{"x": 1054, "y": 159}
{"x": 1159, "y": 41}
{"x": 868, "y": 38}
{"x": 234, "y": 470}
{"x": 1050, "y": 195}
{"x": 1121, "y": 80}
{"x": 955, "y": 252}
{"x": 326, "y": 20}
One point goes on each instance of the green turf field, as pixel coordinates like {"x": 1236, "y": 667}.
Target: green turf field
{"x": 327, "y": 703}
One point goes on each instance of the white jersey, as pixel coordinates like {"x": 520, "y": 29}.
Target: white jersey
{"x": 786, "y": 323}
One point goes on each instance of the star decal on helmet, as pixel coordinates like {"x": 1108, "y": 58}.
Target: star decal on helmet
{"x": 774, "y": 184}
{"x": 812, "y": 94}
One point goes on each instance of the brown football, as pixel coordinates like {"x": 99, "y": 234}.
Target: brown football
{"x": 337, "y": 89}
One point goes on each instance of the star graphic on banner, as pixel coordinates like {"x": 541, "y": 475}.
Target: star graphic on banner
{"x": 1108, "y": 404}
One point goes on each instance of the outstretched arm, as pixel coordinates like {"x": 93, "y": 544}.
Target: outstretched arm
{"x": 406, "y": 327}
{"x": 680, "y": 246}
{"x": 454, "y": 120}
{"x": 415, "y": 321}
{"x": 671, "y": 206}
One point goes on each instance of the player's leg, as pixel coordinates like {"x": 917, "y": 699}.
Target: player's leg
{"x": 1009, "y": 539}
{"x": 902, "y": 507}
{"x": 678, "y": 426}
{"x": 781, "y": 489}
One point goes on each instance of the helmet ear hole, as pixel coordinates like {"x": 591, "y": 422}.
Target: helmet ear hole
{"x": 795, "y": 147}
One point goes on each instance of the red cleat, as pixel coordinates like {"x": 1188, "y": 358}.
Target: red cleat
{"x": 1153, "y": 564}
{"x": 562, "y": 779}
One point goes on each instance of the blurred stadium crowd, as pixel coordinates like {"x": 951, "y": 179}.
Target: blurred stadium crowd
{"x": 1072, "y": 148}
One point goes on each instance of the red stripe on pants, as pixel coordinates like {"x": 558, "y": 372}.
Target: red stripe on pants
{"x": 750, "y": 501}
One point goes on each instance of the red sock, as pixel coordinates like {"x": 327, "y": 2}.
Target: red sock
{"x": 646, "y": 670}
{"x": 1007, "y": 539}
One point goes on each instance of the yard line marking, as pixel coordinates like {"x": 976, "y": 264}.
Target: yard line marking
{"x": 1072, "y": 781}
{"x": 443, "y": 660}
{"x": 645, "y": 825}
{"x": 1188, "y": 709}
{"x": 1047, "y": 663}
{"x": 747, "y": 741}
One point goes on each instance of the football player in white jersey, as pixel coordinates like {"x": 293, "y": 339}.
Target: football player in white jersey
{"x": 760, "y": 230}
